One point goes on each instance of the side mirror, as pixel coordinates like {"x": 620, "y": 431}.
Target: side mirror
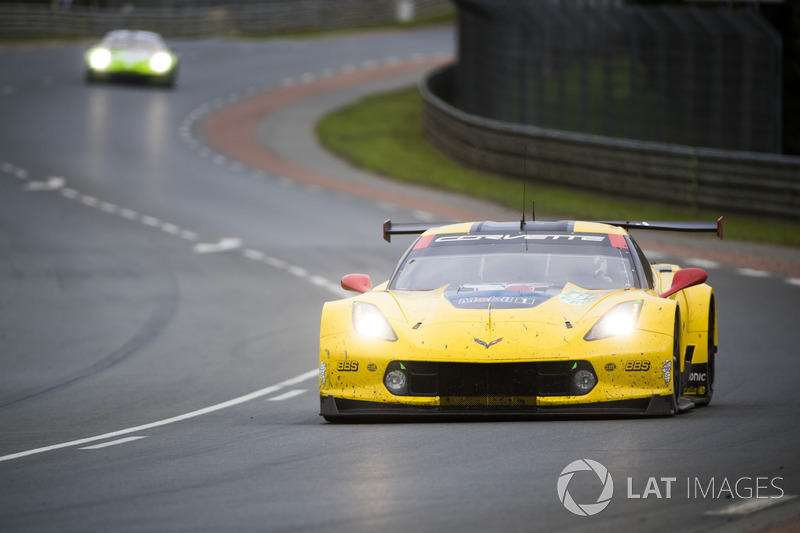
{"x": 357, "y": 282}
{"x": 685, "y": 278}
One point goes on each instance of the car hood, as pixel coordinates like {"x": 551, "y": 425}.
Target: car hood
{"x": 505, "y": 303}
{"x": 516, "y": 325}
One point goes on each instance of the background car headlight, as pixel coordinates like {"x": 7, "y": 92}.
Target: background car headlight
{"x": 370, "y": 322}
{"x": 620, "y": 320}
{"x": 160, "y": 62}
{"x": 100, "y": 59}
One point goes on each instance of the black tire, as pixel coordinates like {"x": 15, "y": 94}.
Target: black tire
{"x": 712, "y": 349}
{"x": 676, "y": 365}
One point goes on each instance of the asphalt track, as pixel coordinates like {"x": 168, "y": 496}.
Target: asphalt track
{"x": 159, "y": 306}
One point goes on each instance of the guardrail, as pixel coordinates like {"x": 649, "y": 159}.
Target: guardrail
{"x": 650, "y": 71}
{"x": 243, "y": 18}
{"x": 721, "y": 180}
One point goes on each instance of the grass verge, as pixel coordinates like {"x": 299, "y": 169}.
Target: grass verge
{"x": 383, "y": 133}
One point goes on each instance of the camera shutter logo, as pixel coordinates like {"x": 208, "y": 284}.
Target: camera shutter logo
{"x": 586, "y": 509}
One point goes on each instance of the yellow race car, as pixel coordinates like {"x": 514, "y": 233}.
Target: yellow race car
{"x": 524, "y": 318}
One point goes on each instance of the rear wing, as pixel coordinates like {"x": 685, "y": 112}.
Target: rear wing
{"x": 680, "y": 225}
{"x": 415, "y": 228}
{"x": 407, "y": 228}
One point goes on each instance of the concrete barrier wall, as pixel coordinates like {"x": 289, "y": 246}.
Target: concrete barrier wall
{"x": 720, "y": 180}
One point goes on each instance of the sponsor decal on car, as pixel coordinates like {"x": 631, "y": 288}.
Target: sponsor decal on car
{"x": 637, "y": 365}
{"x": 526, "y": 237}
{"x": 347, "y": 366}
{"x": 522, "y": 287}
{"x": 578, "y": 297}
{"x": 497, "y": 299}
{"x": 610, "y": 367}
{"x": 667, "y": 370}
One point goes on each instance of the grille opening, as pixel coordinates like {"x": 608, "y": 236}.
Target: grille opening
{"x": 490, "y": 384}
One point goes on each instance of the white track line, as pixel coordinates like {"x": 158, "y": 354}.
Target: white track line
{"x": 217, "y": 407}
{"x": 113, "y": 443}
{"x": 287, "y": 395}
{"x": 750, "y": 506}
{"x": 750, "y": 272}
{"x": 223, "y": 245}
{"x": 702, "y": 263}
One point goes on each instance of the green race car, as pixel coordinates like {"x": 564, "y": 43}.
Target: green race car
{"x": 132, "y": 55}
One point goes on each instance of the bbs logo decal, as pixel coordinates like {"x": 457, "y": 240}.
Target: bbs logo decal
{"x": 635, "y": 365}
{"x": 347, "y": 366}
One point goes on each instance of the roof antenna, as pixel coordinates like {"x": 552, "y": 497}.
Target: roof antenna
{"x": 524, "y": 183}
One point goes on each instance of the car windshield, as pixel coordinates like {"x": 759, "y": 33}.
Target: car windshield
{"x": 474, "y": 265}
{"x": 129, "y": 43}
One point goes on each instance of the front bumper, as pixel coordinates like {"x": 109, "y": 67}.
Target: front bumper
{"x": 341, "y": 409}
{"x": 127, "y": 74}
{"x": 633, "y": 386}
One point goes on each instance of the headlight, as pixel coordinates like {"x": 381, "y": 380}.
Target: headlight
{"x": 160, "y": 62}
{"x": 99, "y": 59}
{"x": 370, "y": 322}
{"x": 621, "y": 320}
{"x": 396, "y": 382}
{"x": 583, "y": 381}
